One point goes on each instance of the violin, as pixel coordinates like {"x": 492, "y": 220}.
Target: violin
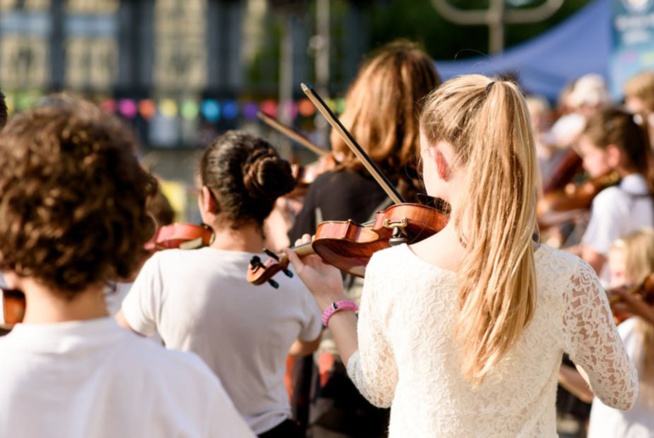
{"x": 645, "y": 289}
{"x": 348, "y": 245}
{"x": 13, "y": 308}
{"x": 567, "y": 168}
{"x": 564, "y": 205}
{"x": 180, "y": 235}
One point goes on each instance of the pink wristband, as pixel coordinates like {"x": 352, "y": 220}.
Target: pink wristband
{"x": 335, "y": 307}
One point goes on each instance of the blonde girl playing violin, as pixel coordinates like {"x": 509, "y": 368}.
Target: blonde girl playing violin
{"x": 462, "y": 333}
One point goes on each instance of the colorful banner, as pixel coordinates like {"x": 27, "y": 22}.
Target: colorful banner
{"x": 632, "y": 23}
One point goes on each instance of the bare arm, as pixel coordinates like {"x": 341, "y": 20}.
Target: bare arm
{"x": 572, "y": 380}
{"x": 593, "y": 258}
{"x": 326, "y": 285}
{"x": 303, "y": 348}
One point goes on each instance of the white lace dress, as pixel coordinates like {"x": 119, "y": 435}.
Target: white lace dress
{"x": 408, "y": 357}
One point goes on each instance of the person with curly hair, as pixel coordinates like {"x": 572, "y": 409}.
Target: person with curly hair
{"x": 200, "y": 300}
{"x": 73, "y": 215}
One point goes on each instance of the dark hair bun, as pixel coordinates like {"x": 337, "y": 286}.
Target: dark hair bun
{"x": 266, "y": 176}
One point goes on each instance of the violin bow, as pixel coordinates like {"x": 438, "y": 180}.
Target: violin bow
{"x": 374, "y": 170}
{"x": 292, "y": 134}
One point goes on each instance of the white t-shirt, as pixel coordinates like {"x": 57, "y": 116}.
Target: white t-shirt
{"x": 637, "y": 422}
{"x": 96, "y": 379}
{"x": 409, "y": 358}
{"x": 617, "y": 211}
{"x": 200, "y": 301}
{"x": 114, "y": 294}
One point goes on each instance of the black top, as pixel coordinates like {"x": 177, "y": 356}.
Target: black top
{"x": 339, "y": 196}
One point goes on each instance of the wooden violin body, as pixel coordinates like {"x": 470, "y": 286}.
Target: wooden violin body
{"x": 349, "y": 246}
{"x": 645, "y": 289}
{"x": 13, "y": 308}
{"x": 567, "y": 168}
{"x": 563, "y": 205}
{"x": 180, "y": 235}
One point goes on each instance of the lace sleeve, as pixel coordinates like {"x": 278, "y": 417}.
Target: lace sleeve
{"x": 372, "y": 368}
{"x": 592, "y": 341}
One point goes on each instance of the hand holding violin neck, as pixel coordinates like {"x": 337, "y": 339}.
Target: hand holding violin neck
{"x": 261, "y": 272}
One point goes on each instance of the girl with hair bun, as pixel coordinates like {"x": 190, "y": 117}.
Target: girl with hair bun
{"x": 200, "y": 300}
{"x": 462, "y": 334}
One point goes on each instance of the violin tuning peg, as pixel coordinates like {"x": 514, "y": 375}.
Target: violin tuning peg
{"x": 288, "y": 273}
{"x": 271, "y": 254}
{"x": 274, "y": 284}
{"x": 255, "y": 262}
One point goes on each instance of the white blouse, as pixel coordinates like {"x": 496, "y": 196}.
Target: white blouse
{"x": 408, "y": 357}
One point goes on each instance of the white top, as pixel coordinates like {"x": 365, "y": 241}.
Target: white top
{"x": 114, "y": 294}
{"x": 200, "y": 301}
{"x": 96, "y": 379}
{"x": 617, "y": 211}
{"x": 637, "y": 422}
{"x": 408, "y": 356}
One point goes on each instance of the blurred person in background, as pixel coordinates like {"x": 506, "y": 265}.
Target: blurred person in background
{"x": 639, "y": 98}
{"x": 630, "y": 262}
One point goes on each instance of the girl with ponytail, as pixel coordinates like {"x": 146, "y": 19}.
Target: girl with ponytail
{"x": 463, "y": 332}
{"x": 200, "y": 300}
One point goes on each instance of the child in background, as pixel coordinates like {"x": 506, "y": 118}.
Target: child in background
{"x": 613, "y": 141}
{"x": 630, "y": 261}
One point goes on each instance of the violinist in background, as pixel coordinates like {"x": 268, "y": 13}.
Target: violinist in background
{"x": 200, "y": 300}
{"x": 639, "y": 98}
{"x": 630, "y": 260}
{"x": 381, "y": 113}
{"x": 613, "y": 141}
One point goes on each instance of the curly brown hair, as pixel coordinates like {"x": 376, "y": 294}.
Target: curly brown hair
{"x": 72, "y": 198}
{"x": 245, "y": 175}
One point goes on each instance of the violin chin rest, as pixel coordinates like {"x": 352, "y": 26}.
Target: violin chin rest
{"x": 192, "y": 244}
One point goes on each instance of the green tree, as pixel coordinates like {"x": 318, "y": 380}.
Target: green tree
{"x": 418, "y": 20}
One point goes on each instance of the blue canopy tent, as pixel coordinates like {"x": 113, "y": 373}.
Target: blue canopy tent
{"x": 543, "y": 65}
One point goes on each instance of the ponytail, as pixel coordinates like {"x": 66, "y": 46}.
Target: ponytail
{"x": 488, "y": 125}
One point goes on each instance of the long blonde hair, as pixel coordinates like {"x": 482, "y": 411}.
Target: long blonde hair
{"x": 487, "y": 123}
{"x": 638, "y": 250}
